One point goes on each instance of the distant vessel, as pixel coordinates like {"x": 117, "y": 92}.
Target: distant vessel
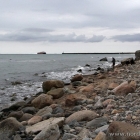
{"x": 41, "y": 52}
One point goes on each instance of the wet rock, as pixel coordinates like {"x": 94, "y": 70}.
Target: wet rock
{"x": 44, "y": 124}
{"x": 26, "y": 117}
{"x": 80, "y": 70}
{"x": 16, "y": 83}
{"x": 98, "y": 122}
{"x": 15, "y": 106}
{"x": 16, "y": 114}
{"x": 122, "y": 131}
{"x": 77, "y": 77}
{"x": 127, "y": 61}
{"x": 48, "y": 85}
{"x": 8, "y": 127}
{"x": 49, "y": 133}
{"x": 68, "y": 136}
{"x": 81, "y": 115}
{"x": 104, "y": 59}
{"x": 42, "y": 101}
{"x": 76, "y": 83}
{"x": 34, "y": 120}
{"x": 56, "y": 93}
{"x": 87, "y": 65}
{"x": 101, "y": 136}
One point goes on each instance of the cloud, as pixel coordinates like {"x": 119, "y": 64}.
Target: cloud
{"x": 127, "y": 38}
{"x": 37, "y": 30}
{"x": 95, "y": 38}
{"x": 38, "y": 35}
{"x": 69, "y": 14}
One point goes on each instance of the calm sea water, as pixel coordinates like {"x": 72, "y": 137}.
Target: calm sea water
{"x": 32, "y": 70}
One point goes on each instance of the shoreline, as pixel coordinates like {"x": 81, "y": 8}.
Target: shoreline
{"x": 90, "y": 96}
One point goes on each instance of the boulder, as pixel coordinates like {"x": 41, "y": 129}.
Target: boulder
{"x": 125, "y": 88}
{"x": 45, "y": 124}
{"x": 9, "y": 126}
{"x": 127, "y": 61}
{"x": 34, "y": 120}
{"x": 16, "y": 114}
{"x": 87, "y": 115}
{"x": 30, "y": 110}
{"x": 137, "y": 55}
{"x": 77, "y": 77}
{"x": 26, "y": 117}
{"x": 98, "y": 122}
{"x": 112, "y": 86}
{"x": 42, "y": 101}
{"x": 104, "y": 59}
{"x": 56, "y": 93}
{"x": 48, "y": 85}
{"x": 88, "y": 88}
{"x": 49, "y": 133}
{"x": 122, "y": 131}
{"x": 71, "y": 100}
{"x": 44, "y": 111}
{"x": 15, "y": 106}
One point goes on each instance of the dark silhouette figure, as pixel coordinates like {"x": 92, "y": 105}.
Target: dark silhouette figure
{"x": 127, "y": 63}
{"x": 113, "y": 62}
{"x": 132, "y": 61}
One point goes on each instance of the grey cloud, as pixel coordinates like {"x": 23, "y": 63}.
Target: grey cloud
{"x": 127, "y": 38}
{"x": 35, "y": 37}
{"x": 37, "y": 30}
{"x": 91, "y": 13}
{"x": 96, "y": 38}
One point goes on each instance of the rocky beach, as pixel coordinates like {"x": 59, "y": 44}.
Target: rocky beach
{"x": 101, "y": 106}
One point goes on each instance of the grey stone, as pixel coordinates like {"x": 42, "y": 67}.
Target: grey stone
{"x": 44, "y": 111}
{"x": 9, "y": 126}
{"x": 58, "y": 110}
{"x": 49, "y": 133}
{"x": 67, "y": 136}
{"x": 17, "y": 137}
{"x": 31, "y": 110}
{"x": 102, "y": 129}
{"x": 84, "y": 133}
{"x": 98, "y": 122}
{"x": 77, "y": 108}
{"x": 46, "y": 123}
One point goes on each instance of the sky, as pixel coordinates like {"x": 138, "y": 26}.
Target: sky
{"x": 70, "y": 26}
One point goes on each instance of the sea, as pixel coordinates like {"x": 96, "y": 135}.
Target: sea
{"x": 22, "y": 75}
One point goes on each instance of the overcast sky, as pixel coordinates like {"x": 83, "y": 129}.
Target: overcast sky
{"x": 56, "y": 26}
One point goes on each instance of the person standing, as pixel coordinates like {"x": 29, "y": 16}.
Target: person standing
{"x": 113, "y": 62}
